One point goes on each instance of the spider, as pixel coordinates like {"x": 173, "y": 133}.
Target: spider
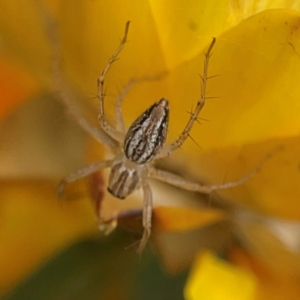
{"x": 140, "y": 146}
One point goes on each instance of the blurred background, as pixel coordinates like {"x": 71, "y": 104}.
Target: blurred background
{"x": 237, "y": 244}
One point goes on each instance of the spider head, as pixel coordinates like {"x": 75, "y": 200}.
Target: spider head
{"x": 148, "y": 133}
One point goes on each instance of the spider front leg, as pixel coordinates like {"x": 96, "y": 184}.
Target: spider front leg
{"x": 114, "y": 133}
{"x": 184, "y": 135}
{"x": 147, "y": 216}
{"x": 81, "y": 173}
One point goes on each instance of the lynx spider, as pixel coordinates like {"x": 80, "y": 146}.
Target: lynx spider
{"x": 142, "y": 144}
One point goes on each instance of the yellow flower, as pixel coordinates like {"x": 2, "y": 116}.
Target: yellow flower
{"x": 257, "y": 59}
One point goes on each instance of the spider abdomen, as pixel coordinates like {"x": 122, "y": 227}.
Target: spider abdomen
{"x": 125, "y": 177}
{"x": 148, "y": 133}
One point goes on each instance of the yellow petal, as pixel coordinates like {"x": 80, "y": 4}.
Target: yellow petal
{"x": 259, "y": 64}
{"x": 275, "y": 242}
{"x": 34, "y": 226}
{"x": 270, "y": 284}
{"x": 213, "y": 278}
{"x": 181, "y": 218}
{"x": 16, "y": 86}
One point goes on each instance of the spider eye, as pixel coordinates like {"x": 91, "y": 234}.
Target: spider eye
{"x": 148, "y": 133}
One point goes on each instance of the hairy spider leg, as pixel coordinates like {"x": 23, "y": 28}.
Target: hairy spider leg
{"x": 185, "y": 133}
{"x": 114, "y": 133}
{"x": 120, "y": 124}
{"x": 180, "y": 182}
{"x": 81, "y": 173}
{"x": 64, "y": 87}
{"x": 147, "y": 216}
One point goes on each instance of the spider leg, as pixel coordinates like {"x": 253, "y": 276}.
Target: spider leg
{"x": 147, "y": 216}
{"x": 52, "y": 34}
{"x": 180, "y": 182}
{"x": 81, "y": 173}
{"x": 184, "y": 135}
{"x": 114, "y": 133}
{"x": 118, "y": 106}
{"x": 101, "y": 136}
